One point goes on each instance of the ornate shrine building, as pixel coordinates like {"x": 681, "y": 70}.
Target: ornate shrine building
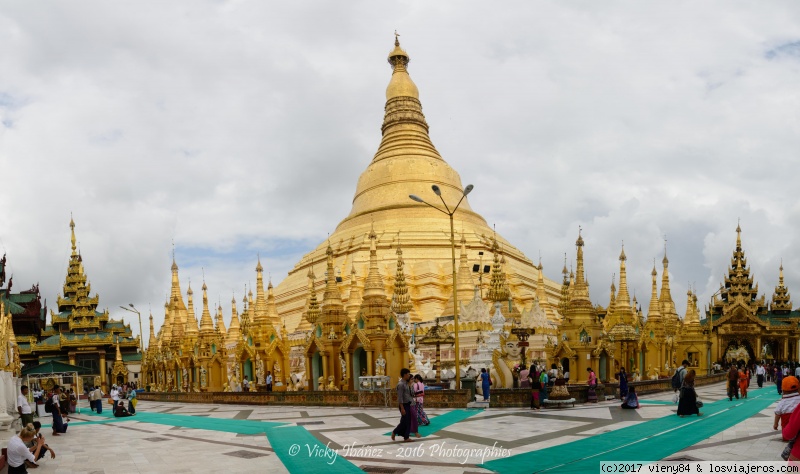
{"x": 79, "y": 334}
{"x": 741, "y": 325}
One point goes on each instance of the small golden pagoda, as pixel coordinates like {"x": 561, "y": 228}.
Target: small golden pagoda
{"x": 578, "y": 343}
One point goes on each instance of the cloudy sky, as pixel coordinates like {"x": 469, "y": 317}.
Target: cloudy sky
{"x": 238, "y": 128}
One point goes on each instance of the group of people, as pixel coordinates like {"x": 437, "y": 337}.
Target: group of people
{"x": 410, "y": 398}
{"x": 739, "y": 376}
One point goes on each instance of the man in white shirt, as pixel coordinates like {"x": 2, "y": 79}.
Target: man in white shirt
{"x": 114, "y": 394}
{"x": 797, "y": 371}
{"x": 23, "y": 407}
{"x": 760, "y": 373}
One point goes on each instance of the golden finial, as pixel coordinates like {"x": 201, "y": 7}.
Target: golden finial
{"x": 396, "y": 38}
{"x": 72, "y": 229}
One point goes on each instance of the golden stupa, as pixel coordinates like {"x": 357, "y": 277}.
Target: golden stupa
{"x": 407, "y": 163}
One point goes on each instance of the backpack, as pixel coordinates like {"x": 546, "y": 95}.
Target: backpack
{"x": 48, "y": 405}
{"x": 676, "y": 379}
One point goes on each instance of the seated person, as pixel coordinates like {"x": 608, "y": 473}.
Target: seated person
{"x": 18, "y": 451}
{"x": 631, "y": 401}
{"x": 120, "y": 411}
{"x": 33, "y": 444}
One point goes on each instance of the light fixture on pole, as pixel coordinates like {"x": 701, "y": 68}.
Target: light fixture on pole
{"x": 450, "y": 213}
{"x": 141, "y": 335}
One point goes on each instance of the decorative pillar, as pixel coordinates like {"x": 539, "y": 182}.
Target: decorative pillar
{"x": 103, "y": 374}
{"x": 786, "y": 348}
{"x": 350, "y": 374}
{"x": 758, "y": 351}
{"x": 324, "y": 370}
{"x": 370, "y": 368}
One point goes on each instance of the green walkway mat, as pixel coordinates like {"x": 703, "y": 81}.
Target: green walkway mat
{"x": 300, "y": 451}
{"x": 197, "y": 422}
{"x": 648, "y": 441}
{"x": 442, "y": 421}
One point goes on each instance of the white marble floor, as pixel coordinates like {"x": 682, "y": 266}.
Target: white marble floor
{"x": 137, "y": 446}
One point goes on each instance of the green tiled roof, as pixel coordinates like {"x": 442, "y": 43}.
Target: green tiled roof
{"x": 52, "y": 340}
{"x": 22, "y": 297}
{"x": 132, "y": 357}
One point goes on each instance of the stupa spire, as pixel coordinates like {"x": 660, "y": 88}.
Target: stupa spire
{"x": 654, "y": 311}
{"x": 781, "y": 299}
{"x": 206, "y": 323}
{"x": 331, "y": 298}
{"x": 191, "y": 319}
{"x": 234, "y": 328}
{"x": 260, "y": 310}
{"x": 401, "y": 303}
{"x": 373, "y": 286}
{"x": 405, "y": 151}
{"x": 272, "y": 309}
{"x": 313, "y": 312}
{"x": 581, "y": 286}
{"x": 498, "y": 289}
{"x": 153, "y": 342}
{"x": 623, "y": 302}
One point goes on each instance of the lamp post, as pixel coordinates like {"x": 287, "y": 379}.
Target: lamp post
{"x": 141, "y": 335}
{"x": 450, "y": 213}
{"x": 133, "y": 309}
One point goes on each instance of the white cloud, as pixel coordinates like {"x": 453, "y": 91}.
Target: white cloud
{"x": 235, "y": 128}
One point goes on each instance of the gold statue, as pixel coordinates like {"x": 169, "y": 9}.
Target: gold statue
{"x": 380, "y": 365}
{"x": 506, "y": 365}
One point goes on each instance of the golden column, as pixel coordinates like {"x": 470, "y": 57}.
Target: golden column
{"x": 450, "y": 213}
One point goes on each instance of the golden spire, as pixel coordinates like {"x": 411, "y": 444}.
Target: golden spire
{"x": 668, "y": 311}
{"x": 466, "y": 283}
{"x": 354, "y": 297}
{"x": 581, "y": 286}
{"x": 401, "y": 302}
{"x": 405, "y": 151}
{"x": 401, "y": 84}
{"x": 654, "y": 312}
{"x": 260, "y": 310}
{"x": 119, "y": 354}
{"x": 623, "y": 302}
{"x": 691, "y": 318}
{"x": 206, "y": 323}
{"x": 498, "y": 289}
{"x": 541, "y": 292}
{"x": 72, "y": 239}
{"x": 191, "y": 329}
{"x": 313, "y": 311}
{"x": 153, "y": 343}
{"x": 233, "y": 329}
{"x": 221, "y": 323}
{"x": 331, "y": 298}
{"x": 781, "y": 299}
{"x": 373, "y": 286}
{"x": 166, "y": 329}
{"x": 272, "y": 309}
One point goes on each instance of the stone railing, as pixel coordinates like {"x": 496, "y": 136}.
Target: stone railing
{"x": 521, "y": 397}
{"x": 433, "y": 398}
{"x": 500, "y": 398}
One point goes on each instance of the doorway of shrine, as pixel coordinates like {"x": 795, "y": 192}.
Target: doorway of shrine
{"x": 739, "y": 351}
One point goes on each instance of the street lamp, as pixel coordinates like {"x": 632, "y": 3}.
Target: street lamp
{"x": 450, "y": 213}
{"x": 141, "y": 335}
